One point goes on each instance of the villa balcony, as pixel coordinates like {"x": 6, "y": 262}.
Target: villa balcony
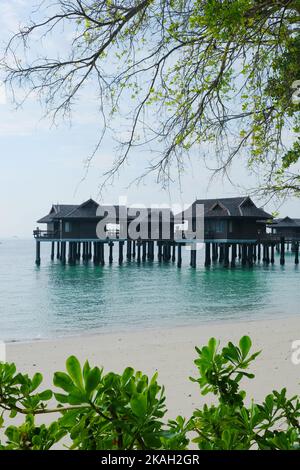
{"x": 46, "y": 234}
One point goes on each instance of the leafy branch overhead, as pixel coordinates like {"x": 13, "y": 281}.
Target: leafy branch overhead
{"x": 97, "y": 411}
{"x": 217, "y": 75}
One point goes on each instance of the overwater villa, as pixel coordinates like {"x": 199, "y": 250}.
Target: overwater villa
{"x": 234, "y": 228}
{"x": 287, "y": 227}
{"x": 232, "y": 219}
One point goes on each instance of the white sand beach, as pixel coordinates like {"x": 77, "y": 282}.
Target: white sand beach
{"x": 171, "y": 352}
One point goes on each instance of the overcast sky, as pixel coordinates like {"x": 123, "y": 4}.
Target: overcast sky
{"x": 41, "y": 165}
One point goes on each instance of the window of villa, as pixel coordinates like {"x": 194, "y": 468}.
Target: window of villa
{"x": 217, "y": 226}
{"x": 68, "y": 227}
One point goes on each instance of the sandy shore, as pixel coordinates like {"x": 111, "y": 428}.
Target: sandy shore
{"x": 171, "y": 352}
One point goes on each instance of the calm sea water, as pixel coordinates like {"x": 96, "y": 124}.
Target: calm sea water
{"x": 53, "y": 300}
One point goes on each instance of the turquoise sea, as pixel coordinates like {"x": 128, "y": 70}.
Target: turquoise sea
{"x": 53, "y": 300}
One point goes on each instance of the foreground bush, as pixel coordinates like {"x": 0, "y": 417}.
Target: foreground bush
{"x": 111, "y": 411}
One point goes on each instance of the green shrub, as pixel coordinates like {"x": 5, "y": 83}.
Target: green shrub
{"x": 99, "y": 411}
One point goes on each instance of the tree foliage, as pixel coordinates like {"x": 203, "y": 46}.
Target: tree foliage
{"x": 217, "y": 75}
{"x": 98, "y": 411}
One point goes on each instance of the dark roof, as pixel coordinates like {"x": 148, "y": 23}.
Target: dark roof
{"x": 287, "y": 222}
{"x": 57, "y": 211}
{"x": 232, "y": 207}
{"x": 222, "y": 207}
{"x": 88, "y": 210}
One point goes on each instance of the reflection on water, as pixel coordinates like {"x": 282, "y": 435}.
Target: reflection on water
{"x": 59, "y": 300}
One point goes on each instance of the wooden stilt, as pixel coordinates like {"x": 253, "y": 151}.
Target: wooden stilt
{"x": 121, "y": 244}
{"x": 139, "y": 251}
{"x": 84, "y": 251}
{"x": 38, "y": 253}
{"x": 272, "y": 253}
{"x": 101, "y": 253}
{"x": 111, "y": 246}
{"x": 173, "y": 252}
{"x": 179, "y": 257}
{"x": 207, "y": 261}
{"x": 244, "y": 254}
{"x": 233, "y": 255}
{"x": 133, "y": 248}
{"x": 159, "y": 251}
{"x": 264, "y": 253}
{"x": 226, "y": 255}
{"x": 267, "y": 254}
{"x": 165, "y": 255}
{"x": 250, "y": 255}
{"x": 254, "y": 253}
{"x": 128, "y": 254}
{"x": 151, "y": 250}
{"x": 58, "y": 250}
{"x": 63, "y": 252}
{"x": 144, "y": 251}
{"x": 193, "y": 262}
{"x": 282, "y": 253}
{"x": 72, "y": 253}
{"x": 95, "y": 256}
{"x": 296, "y": 248}
{"x": 169, "y": 252}
{"x": 214, "y": 252}
{"x": 221, "y": 254}
{"x": 52, "y": 250}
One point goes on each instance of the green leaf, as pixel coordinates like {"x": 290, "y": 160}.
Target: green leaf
{"x": 212, "y": 346}
{"x": 46, "y": 395}
{"x": 13, "y": 414}
{"x": 36, "y": 381}
{"x": 62, "y": 380}
{"x": 61, "y": 398}
{"x": 74, "y": 370}
{"x": 245, "y": 345}
{"x": 127, "y": 374}
{"x": 139, "y": 405}
{"x": 92, "y": 380}
{"x": 86, "y": 370}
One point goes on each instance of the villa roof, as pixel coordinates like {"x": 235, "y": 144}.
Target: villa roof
{"x": 287, "y": 222}
{"x": 232, "y": 207}
{"x": 88, "y": 210}
{"x": 221, "y": 207}
{"x": 57, "y": 211}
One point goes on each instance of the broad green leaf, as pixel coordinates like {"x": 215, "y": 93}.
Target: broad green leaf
{"x": 74, "y": 370}
{"x": 92, "y": 380}
{"x": 86, "y": 369}
{"x": 62, "y": 380}
{"x": 245, "y": 345}
{"x": 45, "y": 395}
{"x": 36, "y": 381}
{"x": 139, "y": 405}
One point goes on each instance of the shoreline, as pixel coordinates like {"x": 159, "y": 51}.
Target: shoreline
{"x": 153, "y": 329}
{"x": 171, "y": 352}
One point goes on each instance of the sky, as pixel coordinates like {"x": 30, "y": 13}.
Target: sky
{"x": 42, "y": 164}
